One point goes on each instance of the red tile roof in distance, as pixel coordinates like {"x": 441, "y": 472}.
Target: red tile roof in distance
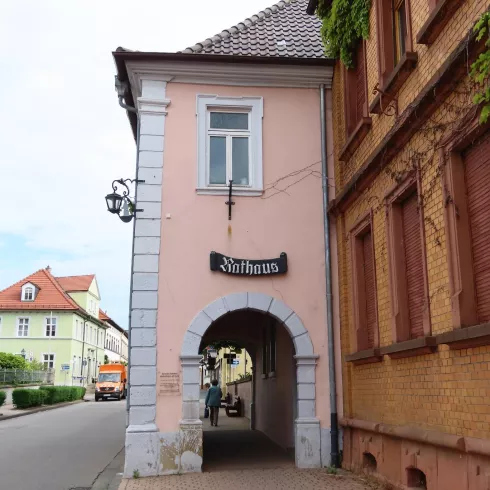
{"x": 76, "y": 283}
{"x": 49, "y": 297}
{"x": 103, "y": 316}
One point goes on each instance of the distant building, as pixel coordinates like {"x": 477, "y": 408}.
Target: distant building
{"x": 116, "y": 340}
{"x": 55, "y": 320}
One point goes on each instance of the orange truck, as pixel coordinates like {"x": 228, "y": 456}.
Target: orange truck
{"x": 112, "y": 382}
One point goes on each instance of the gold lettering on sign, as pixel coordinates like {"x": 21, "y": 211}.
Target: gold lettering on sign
{"x": 168, "y": 384}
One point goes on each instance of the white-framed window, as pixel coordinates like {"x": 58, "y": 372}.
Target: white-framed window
{"x": 229, "y": 144}
{"x": 28, "y": 294}
{"x": 0, "y": 326}
{"x": 22, "y": 327}
{"x": 48, "y": 361}
{"x": 50, "y": 330}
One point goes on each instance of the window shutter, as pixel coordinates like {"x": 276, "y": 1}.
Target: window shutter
{"x": 477, "y": 173}
{"x": 414, "y": 264}
{"x": 360, "y": 82}
{"x": 369, "y": 288}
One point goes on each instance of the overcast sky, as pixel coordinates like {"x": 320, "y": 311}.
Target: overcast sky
{"x": 63, "y": 137}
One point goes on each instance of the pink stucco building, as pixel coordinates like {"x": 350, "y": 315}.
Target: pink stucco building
{"x": 251, "y": 105}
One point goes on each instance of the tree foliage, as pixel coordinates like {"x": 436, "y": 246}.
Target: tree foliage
{"x": 344, "y": 22}
{"x": 13, "y": 361}
{"x": 480, "y": 69}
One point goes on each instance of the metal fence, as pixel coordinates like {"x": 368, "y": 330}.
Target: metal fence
{"x": 21, "y": 376}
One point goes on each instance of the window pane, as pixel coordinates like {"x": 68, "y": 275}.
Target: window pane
{"x": 229, "y": 120}
{"x": 240, "y": 161}
{"x": 217, "y": 160}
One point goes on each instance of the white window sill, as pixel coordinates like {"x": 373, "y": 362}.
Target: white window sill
{"x": 224, "y": 191}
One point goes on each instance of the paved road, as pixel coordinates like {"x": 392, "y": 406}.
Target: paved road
{"x": 60, "y": 449}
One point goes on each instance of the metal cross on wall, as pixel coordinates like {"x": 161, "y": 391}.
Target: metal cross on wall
{"x": 230, "y": 203}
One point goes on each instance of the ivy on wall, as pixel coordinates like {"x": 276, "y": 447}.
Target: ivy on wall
{"x": 480, "y": 69}
{"x": 344, "y": 22}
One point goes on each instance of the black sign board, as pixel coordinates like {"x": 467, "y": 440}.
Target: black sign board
{"x": 246, "y": 267}
{"x": 229, "y": 356}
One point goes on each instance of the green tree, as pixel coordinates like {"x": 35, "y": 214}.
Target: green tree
{"x": 480, "y": 69}
{"x": 106, "y": 359}
{"x": 12, "y": 361}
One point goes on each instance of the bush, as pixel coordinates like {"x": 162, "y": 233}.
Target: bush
{"x": 60, "y": 394}
{"x": 26, "y": 398}
{"x": 3, "y": 396}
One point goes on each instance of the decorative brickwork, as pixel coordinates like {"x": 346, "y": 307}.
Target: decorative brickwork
{"x": 434, "y": 382}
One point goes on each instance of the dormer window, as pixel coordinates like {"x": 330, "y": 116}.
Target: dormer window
{"x": 28, "y": 292}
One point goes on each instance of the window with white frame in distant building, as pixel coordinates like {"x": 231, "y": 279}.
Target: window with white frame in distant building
{"x": 50, "y": 327}
{"x": 22, "y": 327}
{"x": 48, "y": 361}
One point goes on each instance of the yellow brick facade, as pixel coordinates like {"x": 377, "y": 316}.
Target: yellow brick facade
{"x": 448, "y": 390}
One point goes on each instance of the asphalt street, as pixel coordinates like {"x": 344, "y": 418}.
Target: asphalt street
{"x": 61, "y": 449}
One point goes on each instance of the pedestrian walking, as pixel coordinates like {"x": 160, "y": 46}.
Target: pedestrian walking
{"x": 213, "y": 401}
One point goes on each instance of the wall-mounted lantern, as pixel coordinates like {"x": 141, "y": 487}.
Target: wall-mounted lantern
{"x": 120, "y": 203}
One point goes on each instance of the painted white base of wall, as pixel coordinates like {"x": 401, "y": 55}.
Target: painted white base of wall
{"x": 154, "y": 453}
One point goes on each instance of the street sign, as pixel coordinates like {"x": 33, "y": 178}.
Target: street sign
{"x": 236, "y": 362}
{"x": 229, "y": 356}
{"x": 65, "y": 367}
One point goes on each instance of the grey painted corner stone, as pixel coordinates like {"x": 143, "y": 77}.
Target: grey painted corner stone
{"x": 150, "y": 159}
{"x": 236, "y": 301}
{"x": 142, "y": 395}
{"x": 308, "y": 445}
{"x": 145, "y": 300}
{"x": 306, "y": 391}
{"x": 152, "y": 124}
{"x": 149, "y": 209}
{"x": 141, "y": 454}
{"x": 306, "y": 374}
{"x": 303, "y": 344}
{"x": 143, "y": 337}
{"x": 145, "y": 263}
{"x": 143, "y": 319}
{"x": 191, "y": 392}
{"x": 259, "y": 301}
{"x": 190, "y": 346}
{"x": 145, "y": 281}
{"x": 142, "y": 376}
{"x": 142, "y": 415}
{"x": 147, "y": 227}
{"x": 151, "y": 176}
{"x": 151, "y": 143}
{"x": 200, "y": 324}
{"x": 216, "y": 309}
{"x": 306, "y": 408}
{"x": 190, "y": 374}
{"x": 295, "y": 326}
{"x": 147, "y": 245}
{"x": 143, "y": 356}
{"x": 280, "y": 310}
{"x": 150, "y": 193}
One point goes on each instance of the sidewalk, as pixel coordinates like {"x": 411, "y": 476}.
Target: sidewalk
{"x": 265, "y": 479}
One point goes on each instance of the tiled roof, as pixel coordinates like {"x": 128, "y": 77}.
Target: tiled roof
{"x": 76, "y": 283}
{"x": 103, "y": 316}
{"x": 49, "y": 297}
{"x": 283, "y": 30}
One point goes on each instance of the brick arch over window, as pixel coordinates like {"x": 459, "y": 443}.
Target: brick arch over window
{"x": 307, "y": 425}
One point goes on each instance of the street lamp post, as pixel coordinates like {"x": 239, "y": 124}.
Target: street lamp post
{"x": 122, "y": 205}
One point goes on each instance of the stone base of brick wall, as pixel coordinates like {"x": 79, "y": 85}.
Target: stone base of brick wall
{"x": 447, "y": 462}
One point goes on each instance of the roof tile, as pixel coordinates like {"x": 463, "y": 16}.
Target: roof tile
{"x": 259, "y": 35}
{"x": 76, "y": 283}
{"x": 49, "y": 297}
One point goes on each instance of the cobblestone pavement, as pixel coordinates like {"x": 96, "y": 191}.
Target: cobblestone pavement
{"x": 255, "y": 479}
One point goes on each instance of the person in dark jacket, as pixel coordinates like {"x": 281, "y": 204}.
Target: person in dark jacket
{"x": 213, "y": 401}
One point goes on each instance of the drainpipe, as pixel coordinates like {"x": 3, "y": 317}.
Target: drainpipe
{"x": 334, "y": 428}
{"x": 128, "y": 385}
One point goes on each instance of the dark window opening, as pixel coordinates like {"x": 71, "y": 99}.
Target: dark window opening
{"x": 399, "y": 29}
{"x": 416, "y": 479}
{"x": 369, "y": 462}
{"x": 272, "y": 348}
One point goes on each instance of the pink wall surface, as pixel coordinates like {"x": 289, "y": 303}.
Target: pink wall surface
{"x": 274, "y": 403}
{"x": 262, "y": 227}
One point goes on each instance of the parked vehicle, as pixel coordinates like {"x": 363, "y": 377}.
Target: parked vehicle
{"x": 112, "y": 382}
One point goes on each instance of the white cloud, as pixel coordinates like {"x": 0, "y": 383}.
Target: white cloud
{"x": 63, "y": 136}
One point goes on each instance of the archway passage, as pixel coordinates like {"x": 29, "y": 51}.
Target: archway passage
{"x": 282, "y": 405}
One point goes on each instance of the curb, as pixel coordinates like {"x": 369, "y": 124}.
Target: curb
{"x": 40, "y": 409}
{"x": 111, "y": 476}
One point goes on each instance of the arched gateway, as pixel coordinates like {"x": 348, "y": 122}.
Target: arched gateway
{"x": 307, "y": 425}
